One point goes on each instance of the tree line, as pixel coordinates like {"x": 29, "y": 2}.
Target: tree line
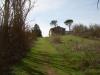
{"x": 92, "y": 31}
{"x": 88, "y": 31}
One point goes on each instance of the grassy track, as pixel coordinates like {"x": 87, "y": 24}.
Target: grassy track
{"x": 71, "y": 57}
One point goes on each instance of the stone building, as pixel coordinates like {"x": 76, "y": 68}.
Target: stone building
{"x": 57, "y": 31}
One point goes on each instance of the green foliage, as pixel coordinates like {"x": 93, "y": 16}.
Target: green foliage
{"x": 53, "y": 22}
{"x": 69, "y": 23}
{"x": 36, "y": 31}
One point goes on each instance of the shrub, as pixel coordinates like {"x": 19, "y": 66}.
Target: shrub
{"x": 14, "y": 42}
{"x": 93, "y": 31}
{"x": 36, "y": 31}
{"x": 56, "y": 39}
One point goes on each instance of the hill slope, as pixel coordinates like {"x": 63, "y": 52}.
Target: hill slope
{"x": 72, "y": 56}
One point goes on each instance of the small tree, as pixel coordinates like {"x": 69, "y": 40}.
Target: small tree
{"x": 69, "y": 23}
{"x": 54, "y": 23}
{"x": 37, "y": 31}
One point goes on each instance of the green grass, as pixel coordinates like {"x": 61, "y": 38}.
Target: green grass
{"x": 74, "y": 56}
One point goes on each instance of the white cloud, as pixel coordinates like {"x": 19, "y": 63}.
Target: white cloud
{"x": 47, "y": 5}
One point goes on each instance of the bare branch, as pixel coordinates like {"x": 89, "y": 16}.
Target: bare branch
{"x": 98, "y": 4}
{"x": 30, "y": 6}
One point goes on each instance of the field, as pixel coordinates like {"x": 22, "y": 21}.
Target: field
{"x": 71, "y": 56}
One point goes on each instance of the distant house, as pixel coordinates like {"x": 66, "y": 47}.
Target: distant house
{"x": 57, "y": 31}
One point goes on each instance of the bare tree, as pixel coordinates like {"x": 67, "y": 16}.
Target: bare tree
{"x": 14, "y": 42}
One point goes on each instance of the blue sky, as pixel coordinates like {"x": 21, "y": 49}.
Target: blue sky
{"x": 81, "y": 11}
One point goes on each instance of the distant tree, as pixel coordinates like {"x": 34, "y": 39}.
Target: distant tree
{"x": 80, "y": 29}
{"x": 54, "y": 23}
{"x": 37, "y": 31}
{"x": 69, "y": 23}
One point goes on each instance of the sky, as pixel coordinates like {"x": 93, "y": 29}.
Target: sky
{"x": 81, "y": 11}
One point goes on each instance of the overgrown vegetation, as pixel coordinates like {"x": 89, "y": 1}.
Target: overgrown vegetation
{"x": 74, "y": 56}
{"x": 14, "y": 39}
{"x": 57, "y": 55}
{"x": 93, "y": 31}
